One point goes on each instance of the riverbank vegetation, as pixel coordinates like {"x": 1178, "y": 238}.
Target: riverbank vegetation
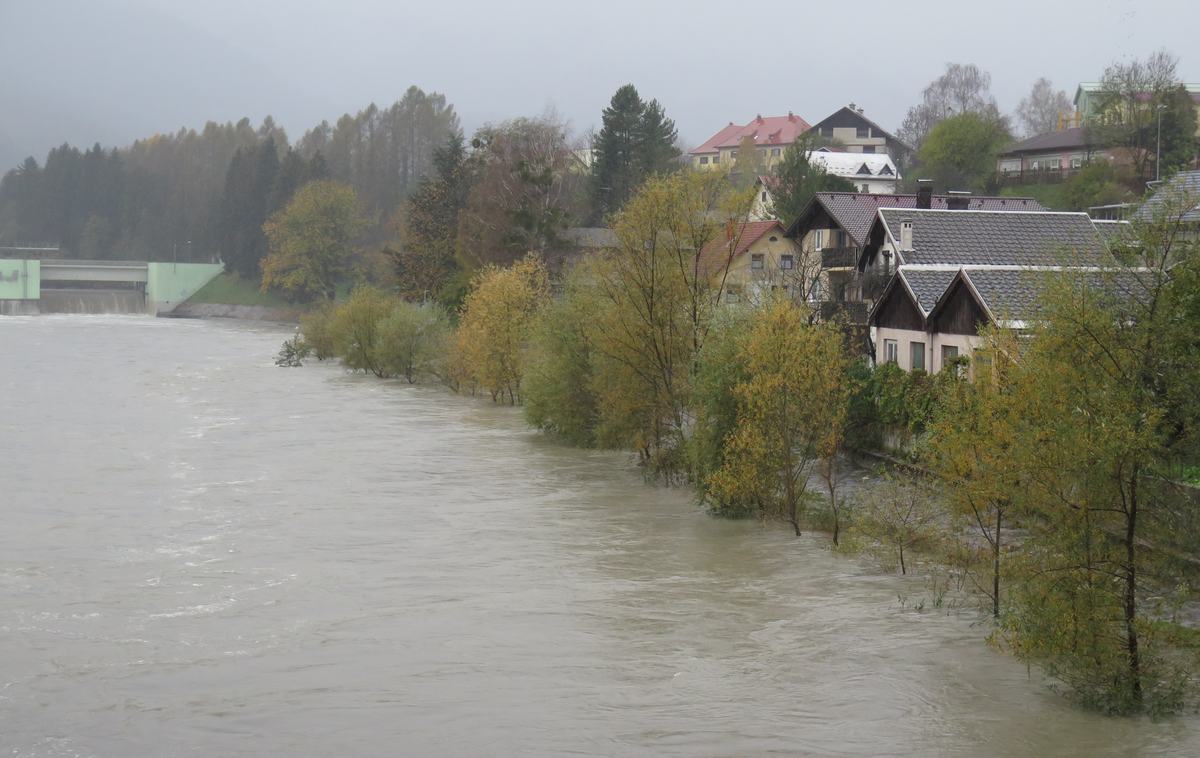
{"x": 1046, "y": 462}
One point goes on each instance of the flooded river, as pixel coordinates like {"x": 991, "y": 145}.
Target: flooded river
{"x": 202, "y": 554}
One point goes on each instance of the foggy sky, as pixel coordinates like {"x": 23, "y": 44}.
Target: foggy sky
{"x": 129, "y": 68}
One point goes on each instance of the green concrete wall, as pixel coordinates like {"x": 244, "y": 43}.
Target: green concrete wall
{"x": 25, "y": 285}
{"x": 169, "y": 284}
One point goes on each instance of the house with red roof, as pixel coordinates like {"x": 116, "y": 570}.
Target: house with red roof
{"x": 771, "y": 136}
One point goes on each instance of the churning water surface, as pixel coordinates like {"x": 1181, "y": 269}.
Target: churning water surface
{"x": 202, "y": 554}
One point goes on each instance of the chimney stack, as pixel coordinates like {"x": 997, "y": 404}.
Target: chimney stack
{"x": 925, "y": 193}
{"x": 906, "y": 235}
{"x": 852, "y": 106}
{"x": 959, "y": 200}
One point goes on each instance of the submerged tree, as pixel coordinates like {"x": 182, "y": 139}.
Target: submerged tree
{"x": 792, "y": 409}
{"x": 498, "y": 318}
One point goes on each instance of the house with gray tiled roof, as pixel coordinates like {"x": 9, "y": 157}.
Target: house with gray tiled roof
{"x": 833, "y": 228}
{"x": 950, "y": 273}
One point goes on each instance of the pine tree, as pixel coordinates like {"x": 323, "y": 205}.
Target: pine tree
{"x": 635, "y": 141}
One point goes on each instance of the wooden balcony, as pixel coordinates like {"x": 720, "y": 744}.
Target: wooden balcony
{"x": 839, "y": 257}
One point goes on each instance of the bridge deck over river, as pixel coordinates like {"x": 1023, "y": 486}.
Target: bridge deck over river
{"x": 30, "y": 286}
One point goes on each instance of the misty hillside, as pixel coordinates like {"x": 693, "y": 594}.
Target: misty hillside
{"x": 111, "y": 72}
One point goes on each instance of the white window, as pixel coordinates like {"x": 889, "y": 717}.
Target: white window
{"x": 733, "y": 153}
{"x": 1045, "y": 163}
{"x": 866, "y": 188}
{"x": 762, "y": 151}
{"x": 774, "y": 151}
{"x": 949, "y": 353}
{"x": 756, "y": 260}
{"x": 703, "y": 159}
{"x": 1075, "y": 160}
{"x": 891, "y": 350}
{"x": 764, "y": 197}
{"x": 716, "y": 159}
{"x": 1010, "y": 166}
{"x": 818, "y": 239}
{"x": 786, "y": 261}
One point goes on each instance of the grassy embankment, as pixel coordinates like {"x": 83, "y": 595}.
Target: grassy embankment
{"x": 232, "y": 289}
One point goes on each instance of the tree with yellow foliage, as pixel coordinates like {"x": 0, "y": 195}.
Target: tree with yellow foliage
{"x": 497, "y": 320}
{"x": 654, "y": 306}
{"x": 792, "y": 413}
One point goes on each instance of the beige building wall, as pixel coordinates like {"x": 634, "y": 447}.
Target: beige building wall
{"x": 854, "y": 144}
{"x": 933, "y": 344}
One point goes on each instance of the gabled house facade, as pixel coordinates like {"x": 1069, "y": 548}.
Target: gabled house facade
{"x": 755, "y": 258}
{"x": 860, "y": 134}
{"x": 955, "y": 272}
{"x": 834, "y": 228}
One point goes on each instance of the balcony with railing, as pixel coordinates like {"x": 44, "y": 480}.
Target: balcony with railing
{"x": 839, "y": 257}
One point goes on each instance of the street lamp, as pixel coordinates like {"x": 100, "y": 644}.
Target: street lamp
{"x": 1158, "y": 149}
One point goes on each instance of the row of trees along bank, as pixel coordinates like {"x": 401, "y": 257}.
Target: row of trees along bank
{"x": 1054, "y": 457}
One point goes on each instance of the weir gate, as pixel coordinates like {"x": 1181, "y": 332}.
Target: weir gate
{"x": 30, "y": 287}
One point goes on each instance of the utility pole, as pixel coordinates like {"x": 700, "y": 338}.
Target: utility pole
{"x": 1158, "y": 149}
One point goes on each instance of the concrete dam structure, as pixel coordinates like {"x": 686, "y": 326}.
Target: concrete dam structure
{"x": 29, "y": 286}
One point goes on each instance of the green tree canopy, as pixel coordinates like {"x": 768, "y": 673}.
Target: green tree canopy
{"x": 960, "y": 152}
{"x": 312, "y": 241}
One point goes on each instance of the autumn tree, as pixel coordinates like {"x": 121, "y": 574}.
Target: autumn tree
{"x": 1081, "y": 436}
{"x": 654, "y": 306}
{"x": 497, "y": 320}
{"x": 312, "y": 241}
{"x": 1038, "y": 112}
{"x": 636, "y": 140}
{"x": 791, "y": 412}
{"x": 528, "y": 193}
{"x": 900, "y": 517}
{"x": 749, "y": 163}
{"x": 971, "y": 448}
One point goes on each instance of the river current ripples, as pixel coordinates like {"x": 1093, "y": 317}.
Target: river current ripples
{"x": 202, "y": 554}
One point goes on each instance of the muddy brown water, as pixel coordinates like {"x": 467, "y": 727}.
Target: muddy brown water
{"x": 202, "y": 554}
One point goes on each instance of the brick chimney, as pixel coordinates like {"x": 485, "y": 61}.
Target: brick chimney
{"x": 925, "y": 193}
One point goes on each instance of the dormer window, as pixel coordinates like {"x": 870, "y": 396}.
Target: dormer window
{"x": 886, "y": 171}
{"x": 864, "y": 170}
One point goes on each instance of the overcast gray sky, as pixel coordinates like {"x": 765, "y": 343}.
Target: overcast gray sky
{"x": 709, "y": 63}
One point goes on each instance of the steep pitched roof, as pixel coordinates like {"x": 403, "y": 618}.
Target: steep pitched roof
{"x": 855, "y": 211}
{"x": 926, "y": 285}
{"x": 973, "y": 238}
{"x": 772, "y": 131}
{"x": 718, "y": 253}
